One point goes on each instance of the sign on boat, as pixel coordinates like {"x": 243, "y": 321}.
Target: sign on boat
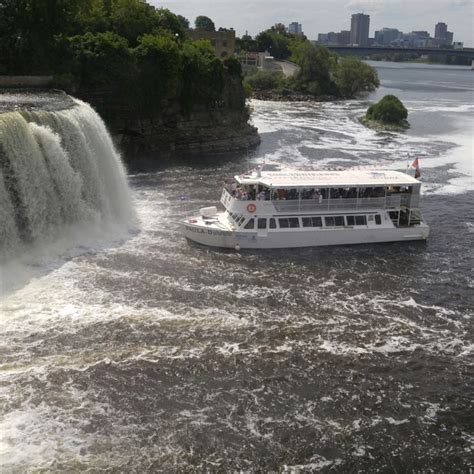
{"x": 284, "y": 208}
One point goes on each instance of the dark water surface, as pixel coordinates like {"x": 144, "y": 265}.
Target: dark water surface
{"x": 160, "y": 355}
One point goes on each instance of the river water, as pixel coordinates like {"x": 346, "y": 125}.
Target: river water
{"x": 148, "y": 353}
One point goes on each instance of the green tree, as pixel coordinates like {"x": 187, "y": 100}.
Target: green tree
{"x": 184, "y": 22}
{"x": 264, "y": 80}
{"x": 353, "y": 76}
{"x": 202, "y": 75}
{"x": 276, "y": 43}
{"x": 246, "y": 43}
{"x": 159, "y": 64}
{"x": 315, "y": 63}
{"x": 389, "y": 110}
{"x": 97, "y": 60}
{"x": 28, "y": 29}
{"x": 204, "y": 23}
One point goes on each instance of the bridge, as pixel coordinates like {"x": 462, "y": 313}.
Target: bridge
{"x": 460, "y": 53}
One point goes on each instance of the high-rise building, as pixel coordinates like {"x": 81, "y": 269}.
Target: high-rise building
{"x": 442, "y": 34}
{"x": 295, "y": 28}
{"x": 360, "y": 29}
{"x": 344, "y": 37}
{"x": 440, "y": 30}
{"x": 387, "y": 35}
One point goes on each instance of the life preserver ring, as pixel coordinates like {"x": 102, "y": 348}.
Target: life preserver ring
{"x": 251, "y": 208}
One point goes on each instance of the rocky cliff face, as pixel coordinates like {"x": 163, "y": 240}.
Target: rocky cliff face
{"x": 171, "y": 131}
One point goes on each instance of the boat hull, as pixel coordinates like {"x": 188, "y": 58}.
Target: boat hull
{"x": 303, "y": 238}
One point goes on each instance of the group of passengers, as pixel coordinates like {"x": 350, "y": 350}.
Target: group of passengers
{"x": 264, "y": 193}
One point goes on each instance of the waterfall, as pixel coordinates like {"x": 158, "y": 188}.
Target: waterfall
{"x": 59, "y": 171}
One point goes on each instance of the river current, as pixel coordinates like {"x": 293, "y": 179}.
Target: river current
{"x": 148, "y": 353}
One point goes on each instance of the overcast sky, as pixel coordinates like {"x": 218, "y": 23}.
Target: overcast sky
{"x": 322, "y": 16}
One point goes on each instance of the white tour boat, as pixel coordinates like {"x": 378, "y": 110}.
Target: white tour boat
{"x": 281, "y": 208}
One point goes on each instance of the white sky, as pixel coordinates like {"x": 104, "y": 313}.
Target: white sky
{"x": 322, "y": 16}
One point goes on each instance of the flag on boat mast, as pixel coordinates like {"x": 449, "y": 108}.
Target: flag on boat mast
{"x": 416, "y": 166}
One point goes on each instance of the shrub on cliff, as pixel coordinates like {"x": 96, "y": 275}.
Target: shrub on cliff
{"x": 95, "y": 60}
{"x": 202, "y": 79}
{"x": 388, "y": 111}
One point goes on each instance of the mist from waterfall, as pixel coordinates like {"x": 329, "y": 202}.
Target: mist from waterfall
{"x": 61, "y": 180}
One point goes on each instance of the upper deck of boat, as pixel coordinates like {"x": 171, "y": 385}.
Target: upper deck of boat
{"x": 351, "y": 177}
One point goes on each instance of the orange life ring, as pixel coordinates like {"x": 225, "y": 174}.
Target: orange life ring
{"x": 251, "y": 208}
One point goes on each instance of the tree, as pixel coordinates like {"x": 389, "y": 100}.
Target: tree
{"x": 275, "y": 43}
{"x": 246, "y": 43}
{"x": 159, "y": 64}
{"x": 389, "y": 110}
{"x": 315, "y": 63}
{"x": 184, "y": 22}
{"x": 265, "y": 80}
{"x": 97, "y": 60}
{"x": 202, "y": 76}
{"x": 279, "y": 28}
{"x": 353, "y": 76}
{"x": 204, "y": 23}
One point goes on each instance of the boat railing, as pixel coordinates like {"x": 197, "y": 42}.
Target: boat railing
{"x": 310, "y": 205}
{"x": 337, "y": 204}
{"x": 226, "y": 198}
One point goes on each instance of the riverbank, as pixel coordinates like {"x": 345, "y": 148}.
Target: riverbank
{"x": 293, "y": 97}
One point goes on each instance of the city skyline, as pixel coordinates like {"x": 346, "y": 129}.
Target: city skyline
{"x": 330, "y": 15}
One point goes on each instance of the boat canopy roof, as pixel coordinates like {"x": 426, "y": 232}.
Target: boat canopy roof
{"x": 351, "y": 177}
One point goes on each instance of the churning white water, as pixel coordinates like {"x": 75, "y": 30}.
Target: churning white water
{"x": 61, "y": 180}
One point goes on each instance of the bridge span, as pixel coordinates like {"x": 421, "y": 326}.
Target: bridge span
{"x": 460, "y": 53}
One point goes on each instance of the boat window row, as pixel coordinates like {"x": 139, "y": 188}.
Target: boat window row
{"x": 258, "y": 192}
{"x": 313, "y": 221}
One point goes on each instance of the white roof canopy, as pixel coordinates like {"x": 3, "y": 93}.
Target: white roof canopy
{"x": 327, "y": 178}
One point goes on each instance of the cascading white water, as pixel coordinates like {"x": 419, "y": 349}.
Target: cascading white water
{"x": 58, "y": 170}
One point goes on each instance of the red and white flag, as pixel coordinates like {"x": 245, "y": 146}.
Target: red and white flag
{"x": 416, "y": 166}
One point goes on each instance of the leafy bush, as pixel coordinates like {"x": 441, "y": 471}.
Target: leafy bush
{"x": 202, "y": 75}
{"x": 263, "y": 80}
{"x": 96, "y": 60}
{"x": 353, "y": 76}
{"x": 389, "y": 110}
{"x": 204, "y": 23}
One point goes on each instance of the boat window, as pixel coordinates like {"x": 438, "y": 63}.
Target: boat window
{"x": 329, "y": 221}
{"x": 350, "y": 220}
{"x": 361, "y": 220}
{"x": 294, "y": 222}
{"x": 371, "y": 218}
{"x": 272, "y": 223}
{"x": 250, "y": 224}
{"x": 312, "y": 221}
{"x": 262, "y": 223}
{"x": 283, "y": 223}
{"x": 339, "y": 220}
{"x": 378, "y": 219}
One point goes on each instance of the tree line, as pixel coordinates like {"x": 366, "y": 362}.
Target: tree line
{"x": 320, "y": 71}
{"x": 126, "y": 47}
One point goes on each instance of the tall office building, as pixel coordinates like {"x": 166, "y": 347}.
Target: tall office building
{"x": 440, "y": 30}
{"x": 360, "y": 29}
{"x": 295, "y": 28}
{"x": 387, "y": 35}
{"x": 442, "y": 34}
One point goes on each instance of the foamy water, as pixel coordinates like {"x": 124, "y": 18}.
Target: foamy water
{"x": 151, "y": 353}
